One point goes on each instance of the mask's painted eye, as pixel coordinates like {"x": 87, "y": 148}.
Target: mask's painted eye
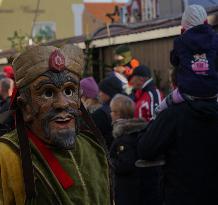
{"x": 68, "y": 92}
{"x": 48, "y": 94}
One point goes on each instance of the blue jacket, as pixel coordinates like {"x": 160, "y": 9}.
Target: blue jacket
{"x": 194, "y": 56}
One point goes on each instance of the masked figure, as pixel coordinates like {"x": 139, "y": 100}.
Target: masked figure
{"x": 47, "y": 159}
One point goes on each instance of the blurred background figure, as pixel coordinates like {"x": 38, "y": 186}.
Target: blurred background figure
{"x": 90, "y": 93}
{"x": 172, "y": 78}
{"x": 123, "y": 58}
{"x": 9, "y": 72}
{"x": 194, "y": 57}
{"x": 124, "y": 65}
{"x": 133, "y": 185}
{"x": 6, "y": 86}
{"x": 146, "y": 95}
{"x": 109, "y": 87}
{"x": 173, "y": 97}
{"x": 2, "y": 75}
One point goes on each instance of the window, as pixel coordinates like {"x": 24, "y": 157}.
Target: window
{"x": 44, "y": 31}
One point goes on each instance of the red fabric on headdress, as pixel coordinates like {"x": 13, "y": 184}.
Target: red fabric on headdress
{"x": 13, "y": 98}
{"x": 13, "y": 101}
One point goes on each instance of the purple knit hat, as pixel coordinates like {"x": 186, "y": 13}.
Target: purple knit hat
{"x": 89, "y": 87}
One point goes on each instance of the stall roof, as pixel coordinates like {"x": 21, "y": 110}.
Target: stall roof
{"x": 207, "y": 3}
{"x": 119, "y": 33}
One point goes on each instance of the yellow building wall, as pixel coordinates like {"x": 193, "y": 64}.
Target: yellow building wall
{"x": 91, "y": 24}
{"x": 18, "y": 15}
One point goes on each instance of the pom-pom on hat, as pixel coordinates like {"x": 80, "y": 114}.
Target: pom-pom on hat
{"x": 193, "y": 15}
{"x": 89, "y": 87}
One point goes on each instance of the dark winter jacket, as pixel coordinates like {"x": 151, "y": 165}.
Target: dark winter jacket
{"x": 103, "y": 121}
{"x": 195, "y": 56}
{"x": 133, "y": 185}
{"x": 187, "y": 134}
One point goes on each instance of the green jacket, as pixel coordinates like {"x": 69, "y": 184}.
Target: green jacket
{"x": 86, "y": 164}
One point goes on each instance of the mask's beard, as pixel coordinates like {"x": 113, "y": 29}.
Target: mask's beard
{"x": 63, "y": 138}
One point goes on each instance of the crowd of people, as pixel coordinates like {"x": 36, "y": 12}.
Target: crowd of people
{"x": 132, "y": 146}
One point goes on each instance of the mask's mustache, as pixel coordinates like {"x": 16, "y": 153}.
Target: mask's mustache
{"x": 57, "y": 117}
{"x": 62, "y": 118}
{"x": 54, "y": 114}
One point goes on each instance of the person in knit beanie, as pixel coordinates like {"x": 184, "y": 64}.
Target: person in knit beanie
{"x": 108, "y": 87}
{"x": 194, "y": 15}
{"x": 90, "y": 91}
{"x": 89, "y": 87}
{"x": 194, "y": 57}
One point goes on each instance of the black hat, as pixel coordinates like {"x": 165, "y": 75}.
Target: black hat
{"x": 111, "y": 86}
{"x": 142, "y": 71}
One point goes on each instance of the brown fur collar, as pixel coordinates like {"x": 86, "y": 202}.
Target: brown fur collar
{"x": 128, "y": 126}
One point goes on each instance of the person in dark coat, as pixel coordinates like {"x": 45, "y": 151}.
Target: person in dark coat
{"x": 5, "y": 87}
{"x": 195, "y": 58}
{"x": 133, "y": 185}
{"x": 186, "y": 134}
{"x": 108, "y": 87}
